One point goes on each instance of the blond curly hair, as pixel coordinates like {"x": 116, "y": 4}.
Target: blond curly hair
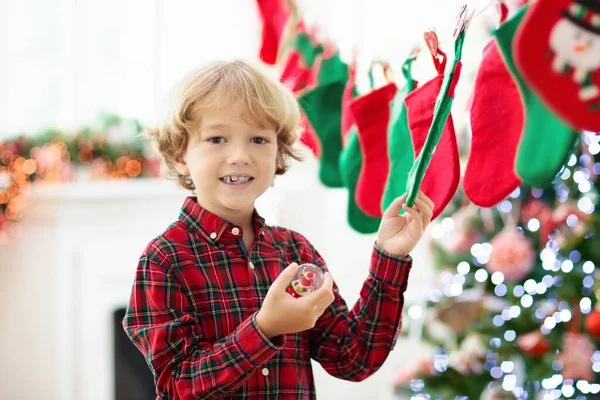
{"x": 266, "y": 101}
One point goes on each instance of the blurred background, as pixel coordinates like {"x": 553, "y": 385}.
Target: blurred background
{"x": 502, "y": 299}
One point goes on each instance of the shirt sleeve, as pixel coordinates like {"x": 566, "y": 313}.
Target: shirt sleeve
{"x": 353, "y": 344}
{"x": 160, "y": 323}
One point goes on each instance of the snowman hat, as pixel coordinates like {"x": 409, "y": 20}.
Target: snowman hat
{"x": 585, "y": 13}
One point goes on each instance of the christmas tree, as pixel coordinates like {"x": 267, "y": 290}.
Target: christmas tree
{"x": 514, "y": 311}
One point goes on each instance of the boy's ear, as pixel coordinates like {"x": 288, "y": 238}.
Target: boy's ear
{"x": 181, "y": 167}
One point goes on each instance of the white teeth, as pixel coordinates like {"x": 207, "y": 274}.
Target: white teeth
{"x": 236, "y": 179}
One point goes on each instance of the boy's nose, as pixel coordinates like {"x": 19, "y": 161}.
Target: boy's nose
{"x": 238, "y": 155}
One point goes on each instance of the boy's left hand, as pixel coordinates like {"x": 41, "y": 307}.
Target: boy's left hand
{"x": 399, "y": 234}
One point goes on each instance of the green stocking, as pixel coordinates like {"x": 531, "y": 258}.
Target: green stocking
{"x": 323, "y": 109}
{"x": 546, "y": 141}
{"x": 400, "y": 148}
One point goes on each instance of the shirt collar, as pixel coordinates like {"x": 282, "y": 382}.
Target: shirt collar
{"x": 212, "y": 227}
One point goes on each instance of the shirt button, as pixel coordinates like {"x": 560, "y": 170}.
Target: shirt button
{"x": 235, "y": 231}
{"x": 213, "y": 235}
{"x": 265, "y": 371}
{"x": 251, "y": 265}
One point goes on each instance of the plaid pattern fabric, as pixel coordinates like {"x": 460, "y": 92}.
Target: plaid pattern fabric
{"x": 196, "y": 294}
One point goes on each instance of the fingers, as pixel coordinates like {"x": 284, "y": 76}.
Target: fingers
{"x": 285, "y": 277}
{"x": 430, "y": 204}
{"x": 425, "y": 210}
{"x": 394, "y": 208}
{"x": 415, "y": 214}
{"x": 323, "y": 296}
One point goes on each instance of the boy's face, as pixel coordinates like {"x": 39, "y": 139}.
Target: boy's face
{"x": 231, "y": 161}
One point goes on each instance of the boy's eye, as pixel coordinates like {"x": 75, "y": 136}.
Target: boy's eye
{"x": 217, "y": 140}
{"x": 259, "y": 140}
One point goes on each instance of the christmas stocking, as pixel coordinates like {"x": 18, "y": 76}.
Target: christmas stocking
{"x": 432, "y": 130}
{"x": 497, "y": 120}
{"x": 371, "y": 115}
{"x": 297, "y": 74}
{"x": 546, "y": 140}
{"x": 351, "y": 163}
{"x": 400, "y": 148}
{"x": 274, "y": 15}
{"x": 557, "y": 51}
{"x": 323, "y": 109}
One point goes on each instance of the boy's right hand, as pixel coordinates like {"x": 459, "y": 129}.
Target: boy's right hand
{"x": 281, "y": 313}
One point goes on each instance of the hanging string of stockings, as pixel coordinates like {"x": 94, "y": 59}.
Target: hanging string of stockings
{"x": 536, "y": 90}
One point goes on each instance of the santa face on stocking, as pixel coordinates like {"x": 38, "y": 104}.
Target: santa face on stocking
{"x": 575, "y": 42}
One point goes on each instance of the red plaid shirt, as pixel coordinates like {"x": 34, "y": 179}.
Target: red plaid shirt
{"x": 194, "y": 301}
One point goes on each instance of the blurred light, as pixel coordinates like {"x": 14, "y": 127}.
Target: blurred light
{"x": 417, "y": 385}
{"x": 548, "y": 280}
{"x": 588, "y": 267}
{"x": 500, "y": 290}
{"x": 510, "y": 335}
{"x": 541, "y": 288}
{"x": 505, "y": 207}
{"x": 578, "y": 176}
{"x": 516, "y": 193}
{"x": 585, "y": 159}
{"x": 515, "y": 311}
{"x": 588, "y": 281}
{"x": 530, "y": 286}
{"x": 567, "y": 266}
{"x": 456, "y": 289}
{"x": 585, "y": 304}
{"x": 497, "y": 278}
{"x": 549, "y": 323}
{"x": 481, "y": 275}
{"x": 596, "y": 367}
{"x": 496, "y": 372}
{"x": 537, "y": 193}
{"x": 498, "y": 320}
{"x": 568, "y": 391}
{"x": 565, "y": 315}
{"x": 548, "y": 259}
{"x": 533, "y": 225}
{"x": 557, "y": 365}
{"x": 584, "y": 186}
{"x": 440, "y": 362}
{"x": 518, "y": 291}
{"x": 463, "y": 268}
{"x": 585, "y": 204}
{"x": 448, "y": 224}
{"x": 545, "y": 330}
{"x": 495, "y": 342}
{"x": 572, "y": 220}
{"x": 526, "y": 301}
{"x": 415, "y": 312}
{"x": 597, "y": 168}
{"x": 437, "y": 232}
{"x": 575, "y": 256}
{"x": 509, "y": 382}
{"x": 566, "y": 174}
{"x": 572, "y": 160}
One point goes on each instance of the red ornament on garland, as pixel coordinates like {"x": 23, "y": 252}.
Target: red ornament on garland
{"x": 592, "y": 324}
{"x": 533, "y": 344}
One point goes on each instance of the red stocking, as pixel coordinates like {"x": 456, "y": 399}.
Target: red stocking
{"x": 371, "y": 114}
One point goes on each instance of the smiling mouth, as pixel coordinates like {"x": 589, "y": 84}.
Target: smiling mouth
{"x": 236, "y": 180}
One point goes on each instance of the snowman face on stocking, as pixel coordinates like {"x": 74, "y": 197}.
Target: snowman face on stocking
{"x": 575, "y": 42}
{"x": 557, "y": 50}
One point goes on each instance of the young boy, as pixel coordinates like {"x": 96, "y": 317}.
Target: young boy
{"x": 209, "y": 308}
